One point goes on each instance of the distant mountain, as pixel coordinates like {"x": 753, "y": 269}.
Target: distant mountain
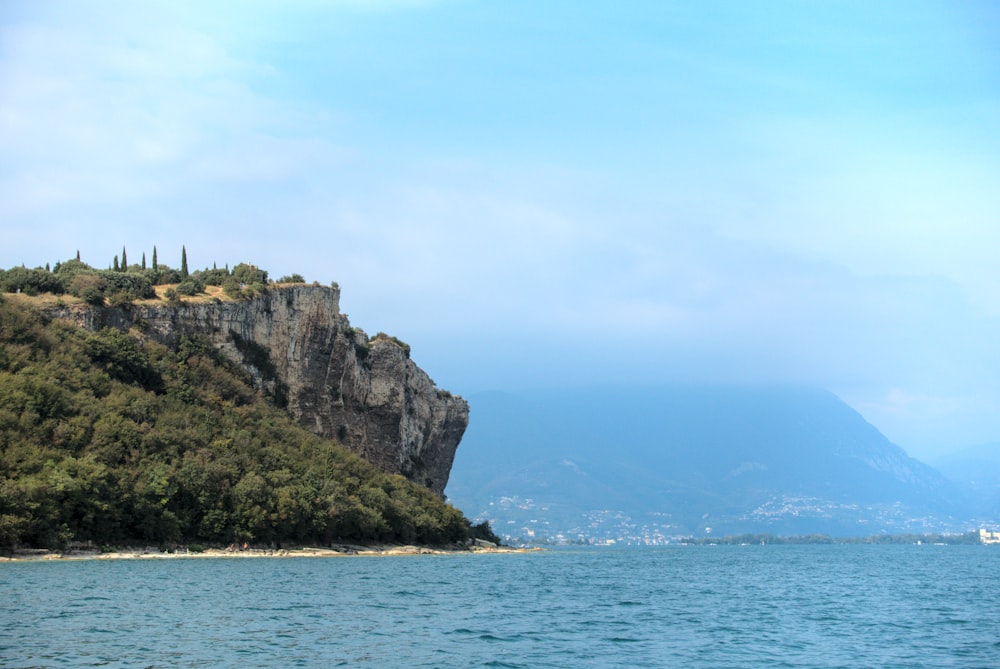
{"x": 646, "y": 464}
{"x": 976, "y": 470}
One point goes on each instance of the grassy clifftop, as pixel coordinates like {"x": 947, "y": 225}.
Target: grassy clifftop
{"x": 75, "y": 280}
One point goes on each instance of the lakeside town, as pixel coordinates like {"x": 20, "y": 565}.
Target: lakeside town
{"x": 525, "y": 521}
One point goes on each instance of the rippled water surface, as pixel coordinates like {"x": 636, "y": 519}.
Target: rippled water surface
{"x": 747, "y": 606}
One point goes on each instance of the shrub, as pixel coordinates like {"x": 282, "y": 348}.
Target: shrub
{"x": 211, "y": 277}
{"x": 191, "y": 286}
{"x": 249, "y": 274}
{"x": 163, "y": 274}
{"x": 231, "y": 287}
{"x": 120, "y": 300}
{"x": 136, "y": 285}
{"x": 89, "y": 288}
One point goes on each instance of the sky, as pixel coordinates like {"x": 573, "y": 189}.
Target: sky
{"x": 551, "y": 194}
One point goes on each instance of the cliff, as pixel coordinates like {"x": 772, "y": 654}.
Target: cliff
{"x": 365, "y": 393}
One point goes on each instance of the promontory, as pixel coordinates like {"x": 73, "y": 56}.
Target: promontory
{"x": 336, "y": 381}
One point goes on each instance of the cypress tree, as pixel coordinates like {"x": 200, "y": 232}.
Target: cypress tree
{"x": 78, "y": 254}
{"x": 155, "y": 266}
{"x": 144, "y": 260}
{"x": 184, "y": 262}
{"x": 115, "y": 268}
{"x": 124, "y": 260}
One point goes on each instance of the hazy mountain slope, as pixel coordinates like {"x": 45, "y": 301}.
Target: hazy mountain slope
{"x": 678, "y": 460}
{"x": 976, "y": 470}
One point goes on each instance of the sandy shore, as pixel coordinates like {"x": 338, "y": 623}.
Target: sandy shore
{"x": 153, "y": 553}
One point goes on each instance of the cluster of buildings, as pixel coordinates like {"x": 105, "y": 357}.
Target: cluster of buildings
{"x": 989, "y": 537}
{"x": 523, "y": 520}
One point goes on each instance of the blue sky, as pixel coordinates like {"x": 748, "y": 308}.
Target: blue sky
{"x": 551, "y": 193}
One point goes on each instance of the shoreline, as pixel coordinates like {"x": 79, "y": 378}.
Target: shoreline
{"x": 153, "y": 553}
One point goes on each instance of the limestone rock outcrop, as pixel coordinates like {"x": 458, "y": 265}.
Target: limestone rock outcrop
{"x": 336, "y": 381}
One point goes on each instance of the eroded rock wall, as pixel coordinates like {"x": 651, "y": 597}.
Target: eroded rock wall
{"x": 294, "y": 341}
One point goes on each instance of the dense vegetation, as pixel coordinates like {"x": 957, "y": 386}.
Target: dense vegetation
{"x": 108, "y": 439}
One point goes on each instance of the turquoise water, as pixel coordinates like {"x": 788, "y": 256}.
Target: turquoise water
{"x": 721, "y": 606}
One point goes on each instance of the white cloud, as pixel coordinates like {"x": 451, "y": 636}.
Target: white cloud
{"x": 113, "y": 120}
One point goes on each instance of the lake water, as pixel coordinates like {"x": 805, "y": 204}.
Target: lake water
{"x": 705, "y": 606}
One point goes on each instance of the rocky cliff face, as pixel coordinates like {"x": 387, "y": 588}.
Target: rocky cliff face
{"x": 293, "y": 340}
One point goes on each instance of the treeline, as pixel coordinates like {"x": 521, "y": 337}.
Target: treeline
{"x": 122, "y": 282}
{"x": 108, "y": 439}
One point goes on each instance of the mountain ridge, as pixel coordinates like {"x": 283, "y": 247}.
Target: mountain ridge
{"x": 690, "y": 460}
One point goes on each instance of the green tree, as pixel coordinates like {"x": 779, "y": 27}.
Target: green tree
{"x": 136, "y": 286}
{"x": 89, "y": 287}
{"x": 30, "y": 281}
{"x": 231, "y": 287}
{"x": 249, "y": 274}
{"x": 191, "y": 286}
{"x": 155, "y": 266}
{"x": 122, "y": 358}
{"x": 69, "y": 269}
{"x": 124, "y": 260}
{"x": 184, "y": 263}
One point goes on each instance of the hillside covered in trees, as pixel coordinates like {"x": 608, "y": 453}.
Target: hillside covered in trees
{"x": 109, "y": 438}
